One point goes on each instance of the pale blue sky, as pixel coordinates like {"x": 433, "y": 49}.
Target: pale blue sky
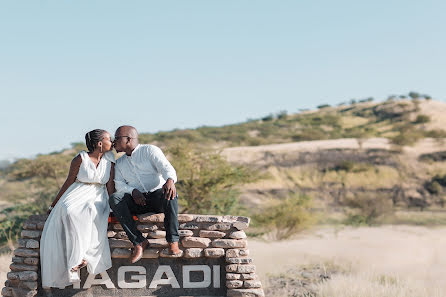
{"x": 67, "y": 67}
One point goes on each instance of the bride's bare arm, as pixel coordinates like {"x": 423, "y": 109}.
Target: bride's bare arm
{"x": 111, "y": 181}
{"x": 71, "y": 178}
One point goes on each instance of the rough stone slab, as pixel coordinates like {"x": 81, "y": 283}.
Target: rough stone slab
{"x": 229, "y": 243}
{"x": 212, "y": 234}
{"x": 184, "y": 218}
{"x": 249, "y": 276}
{"x": 37, "y": 218}
{"x": 156, "y": 234}
{"x": 29, "y": 225}
{"x": 121, "y": 253}
{"x": 151, "y": 217}
{"x": 26, "y": 253}
{"x": 151, "y": 254}
{"x": 235, "y": 253}
{"x": 219, "y": 227}
{"x": 193, "y": 253}
{"x": 245, "y": 293}
{"x": 19, "y": 292}
{"x": 117, "y": 227}
{"x": 121, "y": 235}
{"x": 29, "y": 285}
{"x": 31, "y": 261}
{"x": 22, "y": 267}
{"x": 252, "y": 284}
{"x": 165, "y": 254}
{"x": 120, "y": 243}
{"x": 32, "y": 244}
{"x": 240, "y": 225}
{"x": 6, "y": 291}
{"x": 239, "y": 260}
{"x": 233, "y": 276}
{"x": 111, "y": 233}
{"x": 12, "y": 276}
{"x": 23, "y": 276}
{"x": 244, "y": 252}
{"x": 28, "y": 243}
{"x": 189, "y": 226}
{"x": 30, "y": 234}
{"x": 18, "y": 260}
{"x": 214, "y": 252}
{"x": 234, "y": 284}
{"x": 185, "y": 233}
{"x": 12, "y": 283}
{"x": 246, "y": 268}
{"x": 231, "y": 219}
{"x": 21, "y": 242}
{"x": 195, "y": 242}
{"x": 147, "y": 227}
{"x": 158, "y": 243}
{"x": 231, "y": 268}
{"x": 237, "y": 235}
{"x": 40, "y": 225}
{"x": 208, "y": 219}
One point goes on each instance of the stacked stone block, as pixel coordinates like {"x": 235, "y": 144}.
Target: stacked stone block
{"x": 201, "y": 236}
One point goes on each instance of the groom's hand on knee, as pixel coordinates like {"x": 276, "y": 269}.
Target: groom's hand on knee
{"x": 138, "y": 197}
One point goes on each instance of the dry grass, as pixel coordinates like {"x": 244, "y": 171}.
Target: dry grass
{"x": 5, "y": 260}
{"x": 388, "y": 261}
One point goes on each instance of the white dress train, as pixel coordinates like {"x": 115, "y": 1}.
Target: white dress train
{"x": 76, "y": 229}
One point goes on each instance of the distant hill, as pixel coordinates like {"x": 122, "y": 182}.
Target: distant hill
{"x": 402, "y": 121}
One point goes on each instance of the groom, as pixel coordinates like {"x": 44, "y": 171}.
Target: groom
{"x": 145, "y": 182}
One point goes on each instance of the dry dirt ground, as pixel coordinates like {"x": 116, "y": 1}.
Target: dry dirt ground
{"x": 377, "y": 261}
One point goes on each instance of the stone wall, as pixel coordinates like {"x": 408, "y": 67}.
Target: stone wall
{"x": 203, "y": 240}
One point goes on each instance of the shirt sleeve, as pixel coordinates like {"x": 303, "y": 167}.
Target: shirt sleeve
{"x": 162, "y": 165}
{"x": 120, "y": 183}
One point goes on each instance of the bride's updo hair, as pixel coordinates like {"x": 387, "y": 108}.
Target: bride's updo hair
{"x": 93, "y": 137}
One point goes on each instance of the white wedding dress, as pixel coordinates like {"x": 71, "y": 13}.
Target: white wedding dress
{"x": 76, "y": 228}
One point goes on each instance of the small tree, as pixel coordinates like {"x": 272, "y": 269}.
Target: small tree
{"x": 286, "y": 217}
{"x": 206, "y": 181}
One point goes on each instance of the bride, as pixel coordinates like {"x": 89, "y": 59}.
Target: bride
{"x": 75, "y": 233}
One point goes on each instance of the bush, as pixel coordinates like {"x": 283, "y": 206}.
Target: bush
{"x": 323, "y": 106}
{"x": 422, "y": 119}
{"x": 366, "y": 208}
{"x": 287, "y": 217}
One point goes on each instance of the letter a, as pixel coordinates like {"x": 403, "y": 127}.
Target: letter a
{"x": 170, "y": 280}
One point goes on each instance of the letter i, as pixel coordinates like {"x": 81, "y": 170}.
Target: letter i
{"x": 216, "y": 276}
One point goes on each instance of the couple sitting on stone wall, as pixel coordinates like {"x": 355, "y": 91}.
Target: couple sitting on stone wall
{"x": 75, "y": 234}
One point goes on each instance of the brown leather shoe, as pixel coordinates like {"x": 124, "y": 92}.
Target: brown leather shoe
{"x": 138, "y": 251}
{"x": 173, "y": 248}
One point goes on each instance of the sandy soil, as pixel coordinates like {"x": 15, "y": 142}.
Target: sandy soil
{"x": 409, "y": 253}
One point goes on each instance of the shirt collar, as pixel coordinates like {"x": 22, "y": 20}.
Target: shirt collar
{"x": 135, "y": 149}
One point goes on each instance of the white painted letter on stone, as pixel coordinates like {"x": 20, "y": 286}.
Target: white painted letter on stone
{"x": 216, "y": 276}
{"x": 170, "y": 280}
{"x": 105, "y": 280}
{"x": 206, "y": 276}
{"x": 140, "y": 278}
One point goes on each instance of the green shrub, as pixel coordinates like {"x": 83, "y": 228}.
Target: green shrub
{"x": 367, "y": 208}
{"x": 422, "y": 119}
{"x": 286, "y": 217}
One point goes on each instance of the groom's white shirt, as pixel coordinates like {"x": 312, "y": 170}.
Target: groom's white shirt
{"x": 147, "y": 170}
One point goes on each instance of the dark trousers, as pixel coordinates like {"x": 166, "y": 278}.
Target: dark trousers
{"x": 124, "y": 207}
